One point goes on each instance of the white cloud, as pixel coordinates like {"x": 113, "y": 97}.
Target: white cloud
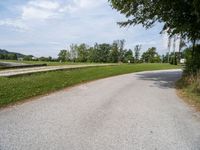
{"x": 42, "y": 9}
{"x": 79, "y": 5}
{"x": 44, "y": 4}
{"x": 33, "y": 13}
{"x": 88, "y": 3}
{"x": 52, "y": 25}
{"x": 16, "y": 23}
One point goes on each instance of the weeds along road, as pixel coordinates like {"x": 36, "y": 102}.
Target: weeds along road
{"x": 128, "y": 112}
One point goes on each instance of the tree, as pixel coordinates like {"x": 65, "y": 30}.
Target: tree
{"x": 2, "y": 56}
{"x": 165, "y": 58}
{"x": 114, "y": 53}
{"x": 12, "y": 56}
{"x": 151, "y": 56}
{"x": 82, "y": 52}
{"x": 103, "y": 51}
{"x": 73, "y": 53}
{"x": 28, "y": 57}
{"x": 64, "y": 55}
{"x": 92, "y": 54}
{"x": 180, "y": 17}
{"x": 120, "y": 46}
{"x": 137, "y": 50}
{"x": 128, "y": 56}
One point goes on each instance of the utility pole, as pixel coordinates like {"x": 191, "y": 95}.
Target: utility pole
{"x": 180, "y": 47}
{"x": 174, "y": 50}
{"x": 174, "y": 45}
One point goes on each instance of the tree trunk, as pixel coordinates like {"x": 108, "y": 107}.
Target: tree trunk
{"x": 193, "y": 47}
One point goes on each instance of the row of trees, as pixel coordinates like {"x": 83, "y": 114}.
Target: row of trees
{"x": 108, "y": 53}
{"x": 99, "y": 53}
{"x": 8, "y": 56}
{"x": 105, "y": 53}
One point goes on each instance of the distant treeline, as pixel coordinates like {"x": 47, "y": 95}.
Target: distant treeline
{"x": 99, "y": 53}
{"x": 108, "y": 53}
{"x": 4, "y": 54}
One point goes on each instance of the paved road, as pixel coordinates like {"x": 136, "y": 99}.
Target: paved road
{"x": 10, "y": 64}
{"x": 16, "y": 72}
{"x": 129, "y": 112}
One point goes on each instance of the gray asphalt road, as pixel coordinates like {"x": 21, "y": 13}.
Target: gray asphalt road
{"x": 129, "y": 112}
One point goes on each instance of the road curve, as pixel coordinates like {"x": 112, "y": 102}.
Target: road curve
{"x": 129, "y": 112}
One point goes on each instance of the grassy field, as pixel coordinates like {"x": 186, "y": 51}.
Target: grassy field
{"x": 24, "y": 87}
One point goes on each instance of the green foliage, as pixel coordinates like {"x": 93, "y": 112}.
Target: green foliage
{"x": 10, "y": 56}
{"x": 4, "y": 54}
{"x": 64, "y": 56}
{"x": 82, "y": 52}
{"x": 46, "y": 59}
{"x": 137, "y": 50}
{"x": 99, "y": 53}
{"x": 128, "y": 56}
{"x": 192, "y": 56}
{"x": 114, "y": 54}
{"x": 151, "y": 56}
{"x": 180, "y": 16}
{"x": 173, "y": 60}
{"x": 23, "y": 87}
{"x": 28, "y": 57}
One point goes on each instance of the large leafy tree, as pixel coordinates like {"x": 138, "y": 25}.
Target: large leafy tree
{"x": 151, "y": 56}
{"x": 128, "y": 56}
{"x": 82, "y": 52}
{"x": 64, "y": 55}
{"x": 114, "y": 53}
{"x": 179, "y": 16}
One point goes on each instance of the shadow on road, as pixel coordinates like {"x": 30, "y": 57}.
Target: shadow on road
{"x": 161, "y": 79}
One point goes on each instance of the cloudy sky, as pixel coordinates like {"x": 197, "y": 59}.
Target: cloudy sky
{"x": 43, "y": 27}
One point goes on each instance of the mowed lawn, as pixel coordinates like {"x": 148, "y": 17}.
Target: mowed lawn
{"x": 20, "y": 88}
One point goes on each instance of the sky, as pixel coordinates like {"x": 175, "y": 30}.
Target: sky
{"x": 44, "y": 27}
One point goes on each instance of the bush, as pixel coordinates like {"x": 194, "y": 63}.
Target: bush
{"x": 173, "y": 60}
{"x": 191, "y": 82}
{"x": 192, "y": 60}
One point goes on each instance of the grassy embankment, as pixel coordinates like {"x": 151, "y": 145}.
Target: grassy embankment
{"x": 23, "y": 87}
{"x": 189, "y": 89}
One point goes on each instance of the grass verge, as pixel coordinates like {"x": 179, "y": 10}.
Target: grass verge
{"x": 20, "y": 88}
{"x": 189, "y": 89}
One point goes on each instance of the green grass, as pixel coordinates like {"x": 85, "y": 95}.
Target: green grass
{"x": 23, "y": 87}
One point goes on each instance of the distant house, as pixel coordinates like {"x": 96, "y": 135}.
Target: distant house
{"x": 182, "y": 61}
